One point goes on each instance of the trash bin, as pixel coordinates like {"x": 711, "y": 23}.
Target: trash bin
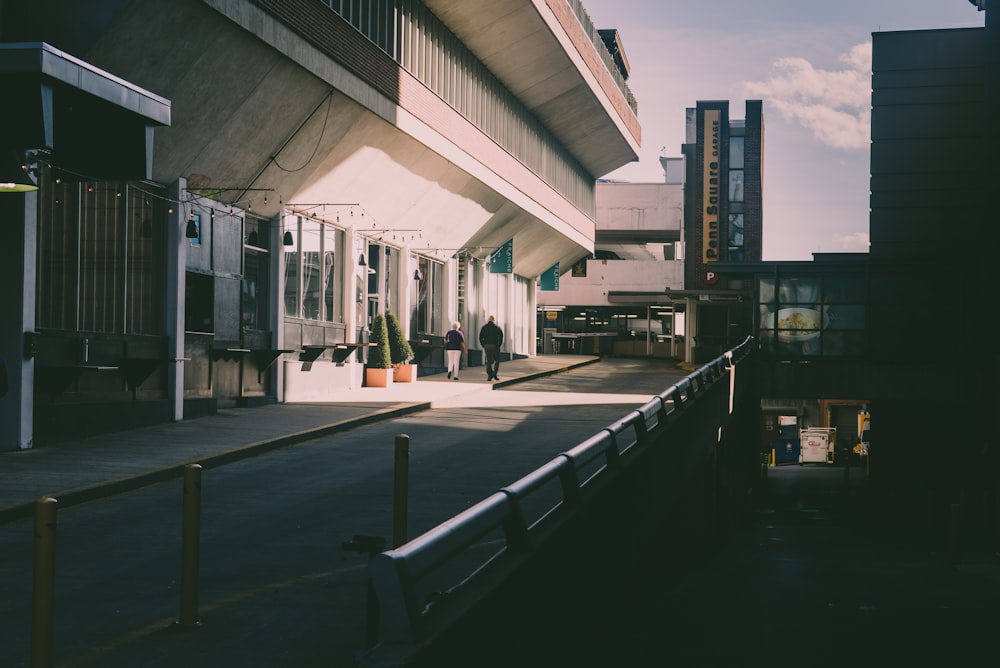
{"x": 786, "y": 450}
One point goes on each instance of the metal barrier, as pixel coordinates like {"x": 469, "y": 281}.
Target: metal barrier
{"x": 410, "y": 612}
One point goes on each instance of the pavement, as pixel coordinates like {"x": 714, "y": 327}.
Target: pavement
{"x": 809, "y": 581}
{"x": 78, "y": 471}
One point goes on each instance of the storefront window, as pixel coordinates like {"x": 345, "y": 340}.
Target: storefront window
{"x": 812, "y": 316}
{"x": 311, "y": 270}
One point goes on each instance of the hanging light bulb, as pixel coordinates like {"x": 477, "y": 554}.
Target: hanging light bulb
{"x": 213, "y": 214}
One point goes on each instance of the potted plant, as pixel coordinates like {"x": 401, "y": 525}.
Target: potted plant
{"x": 400, "y": 352}
{"x": 378, "y": 370}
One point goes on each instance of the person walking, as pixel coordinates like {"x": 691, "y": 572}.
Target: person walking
{"x": 491, "y": 338}
{"x": 454, "y": 347}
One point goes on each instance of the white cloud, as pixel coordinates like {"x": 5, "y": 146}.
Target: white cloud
{"x": 858, "y": 242}
{"x": 835, "y": 105}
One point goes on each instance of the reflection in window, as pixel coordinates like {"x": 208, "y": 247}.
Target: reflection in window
{"x": 311, "y": 286}
{"x": 290, "y": 247}
{"x": 735, "y": 232}
{"x": 428, "y": 283}
{"x": 803, "y": 317}
{"x": 736, "y": 152}
{"x": 735, "y": 185}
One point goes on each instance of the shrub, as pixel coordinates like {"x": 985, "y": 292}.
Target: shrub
{"x": 378, "y": 356}
{"x": 400, "y": 351}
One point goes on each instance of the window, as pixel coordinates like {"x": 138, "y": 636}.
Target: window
{"x": 803, "y": 316}
{"x": 735, "y": 235}
{"x": 312, "y": 288}
{"x": 100, "y": 257}
{"x": 428, "y": 286}
{"x": 736, "y": 152}
{"x": 199, "y": 303}
{"x": 735, "y": 185}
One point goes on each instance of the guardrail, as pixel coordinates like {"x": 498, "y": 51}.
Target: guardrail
{"x": 414, "y": 581}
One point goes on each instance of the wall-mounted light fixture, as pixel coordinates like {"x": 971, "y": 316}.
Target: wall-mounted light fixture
{"x": 287, "y": 239}
{"x": 361, "y": 261}
{"x": 192, "y": 229}
{"x": 416, "y": 275}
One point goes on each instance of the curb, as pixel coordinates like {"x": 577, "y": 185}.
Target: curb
{"x": 72, "y": 497}
{"x": 542, "y": 374}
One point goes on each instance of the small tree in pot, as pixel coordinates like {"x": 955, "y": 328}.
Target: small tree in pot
{"x": 378, "y": 370}
{"x": 400, "y": 352}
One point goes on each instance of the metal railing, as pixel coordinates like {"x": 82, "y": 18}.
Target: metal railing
{"x": 415, "y": 582}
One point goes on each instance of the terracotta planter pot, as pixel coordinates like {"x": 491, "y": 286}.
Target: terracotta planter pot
{"x": 378, "y": 377}
{"x": 404, "y": 373}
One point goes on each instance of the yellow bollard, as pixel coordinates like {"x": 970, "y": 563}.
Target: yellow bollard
{"x": 774, "y": 458}
{"x": 400, "y": 490}
{"x": 190, "y": 546}
{"x": 44, "y": 577}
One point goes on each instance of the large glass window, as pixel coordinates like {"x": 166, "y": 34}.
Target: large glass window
{"x": 428, "y": 307}
{"x": 312, "y": 275}
{"x": 812, "y": 316}
{"x": 253, "y": 307}
{"x": 100, "y": 257}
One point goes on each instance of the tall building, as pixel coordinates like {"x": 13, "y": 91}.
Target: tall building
{"x": 899, "y": 332}
{"x": 723, "y": 222}
{"x": 228, "y": 192}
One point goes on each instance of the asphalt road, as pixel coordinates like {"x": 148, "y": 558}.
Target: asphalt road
{"x": 277, "y": 588}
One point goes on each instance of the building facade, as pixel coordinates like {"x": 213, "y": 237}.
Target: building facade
{"x": 651, "y": 285}
{"x": 876, "y": 331}
{"x": 723, "y": 220}
{"x": 321, "y": 162}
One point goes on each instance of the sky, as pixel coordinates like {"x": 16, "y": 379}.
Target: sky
{"x": 809, "y": 61}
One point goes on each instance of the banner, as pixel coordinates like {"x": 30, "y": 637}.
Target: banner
{"x": 550, "y": 278}
{"x": 711, "y": 184}
{"x": 502, "y": 259}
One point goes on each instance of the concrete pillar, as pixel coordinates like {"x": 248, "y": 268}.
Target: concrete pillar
{"x": 176, "y": 279}
{"x": 18, "y": 270}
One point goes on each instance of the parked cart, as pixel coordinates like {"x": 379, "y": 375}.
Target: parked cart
{"x": 817, "y": 445}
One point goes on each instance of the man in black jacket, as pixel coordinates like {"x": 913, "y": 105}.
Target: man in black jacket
{"x": 491, "y": 337}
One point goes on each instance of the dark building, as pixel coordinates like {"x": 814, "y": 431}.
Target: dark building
{"x": 723, "y": 221}
{"x": 902, "y": 330}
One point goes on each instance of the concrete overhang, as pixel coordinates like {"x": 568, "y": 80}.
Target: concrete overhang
{"x": 641, "y": 236}
{"x": 94, "y": 122}
{"x": 541, "y": 52}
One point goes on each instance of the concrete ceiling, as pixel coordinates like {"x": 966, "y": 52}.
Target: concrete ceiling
{"x": 513, "y": 39}
{"x": 248, "y": 117}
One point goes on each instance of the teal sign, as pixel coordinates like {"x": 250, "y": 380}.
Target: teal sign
{"x": 502, "y": 259}
{"x": 550, "y": 279}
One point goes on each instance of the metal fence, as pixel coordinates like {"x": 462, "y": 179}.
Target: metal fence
{"x": 683, "y": 458}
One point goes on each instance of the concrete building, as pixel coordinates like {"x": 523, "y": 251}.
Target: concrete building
{"x": 650, "y": 288}
{"x": 236, "y": 187}
{"x": 614, "y": 301}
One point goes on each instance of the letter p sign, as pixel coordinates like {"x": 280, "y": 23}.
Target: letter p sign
{"x": 711, "y": 277}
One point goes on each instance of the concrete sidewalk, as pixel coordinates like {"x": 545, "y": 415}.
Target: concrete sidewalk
{"x": 79, "y": 471}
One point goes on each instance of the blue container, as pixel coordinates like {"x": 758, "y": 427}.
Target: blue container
{"x": 786, "y": 451}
